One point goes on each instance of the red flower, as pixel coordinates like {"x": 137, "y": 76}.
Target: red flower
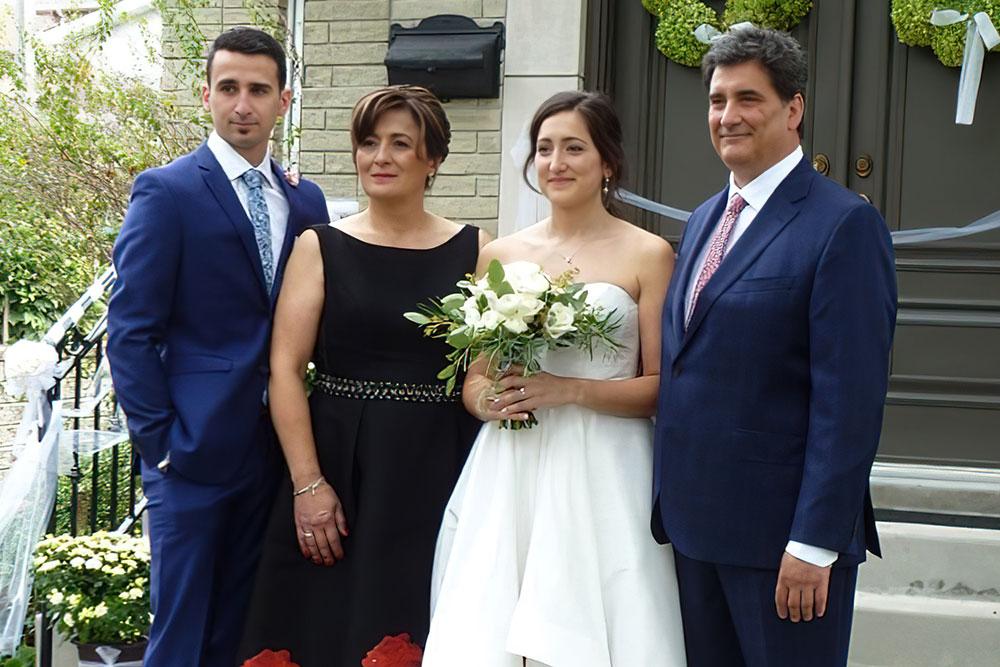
{"x": 396, "y": 651}
{"x": 268, "y": 658}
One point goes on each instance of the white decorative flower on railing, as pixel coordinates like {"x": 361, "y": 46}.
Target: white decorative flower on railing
{"x": 30, "y": 368}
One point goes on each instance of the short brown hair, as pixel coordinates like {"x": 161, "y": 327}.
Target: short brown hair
{"x": 777, "y": 53}
{"x": 605, "y": 129}
{"x": 426, "y": 109}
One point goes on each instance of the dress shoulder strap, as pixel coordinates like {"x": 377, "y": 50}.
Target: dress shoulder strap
{"x": 468, "y": 244}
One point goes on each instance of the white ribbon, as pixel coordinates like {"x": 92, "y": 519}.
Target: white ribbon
{"x": 980, "y": 36}
{"x": 30, "y": 367}
{"x": 27, "y": 495}
{"x": 706, "y": 34}
{"x": 906, "y": 237}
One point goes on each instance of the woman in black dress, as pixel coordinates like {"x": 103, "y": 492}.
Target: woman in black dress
{"x": 375, "y": 450}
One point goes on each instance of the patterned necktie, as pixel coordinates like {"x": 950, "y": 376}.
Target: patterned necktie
{"x": 261, "y": 222}
{"x": 716, "y": 250}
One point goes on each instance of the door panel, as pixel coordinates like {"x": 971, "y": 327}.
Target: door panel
{"x": 869, "y": 96}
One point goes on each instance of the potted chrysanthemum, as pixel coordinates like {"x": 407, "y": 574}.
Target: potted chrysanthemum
{"x": 95, "y": 590}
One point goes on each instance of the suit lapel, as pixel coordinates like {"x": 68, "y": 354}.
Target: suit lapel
{"x": 220, "y": 186}
{"x": 783, "y": 205}
{"x": 700, "y": 230}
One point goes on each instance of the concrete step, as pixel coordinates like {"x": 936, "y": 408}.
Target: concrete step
{"x": 910, "y": 631}
{"x": 933, "y": 600}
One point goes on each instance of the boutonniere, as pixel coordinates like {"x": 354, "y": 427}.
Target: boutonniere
{"x": 292, "y": 177}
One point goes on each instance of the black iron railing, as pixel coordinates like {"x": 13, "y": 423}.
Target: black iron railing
{"x": 98, "y": 482}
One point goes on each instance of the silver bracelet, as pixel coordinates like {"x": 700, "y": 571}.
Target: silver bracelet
{"x": 311, "y": 488}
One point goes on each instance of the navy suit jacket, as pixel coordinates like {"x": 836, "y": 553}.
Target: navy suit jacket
{"x": 189, "y": 321}
{"x": 771, "y": 400}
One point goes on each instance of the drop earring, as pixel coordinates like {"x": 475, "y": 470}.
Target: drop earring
{"x": 607, "y": 182}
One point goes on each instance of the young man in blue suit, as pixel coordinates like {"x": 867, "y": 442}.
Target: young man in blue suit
{"x": 776, "y": 337}
{"x": 200, "y": 259}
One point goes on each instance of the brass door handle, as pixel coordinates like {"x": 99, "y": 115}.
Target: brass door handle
{"x": 821, "y": 163}
{"x": 863, "y": 165}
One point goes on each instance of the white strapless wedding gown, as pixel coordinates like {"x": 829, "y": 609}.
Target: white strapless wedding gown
{"x": 545, "y": 549}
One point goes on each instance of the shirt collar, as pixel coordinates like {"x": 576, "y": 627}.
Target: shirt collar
{"x": 759, "y": 190}
{"x": 235, "y": 165}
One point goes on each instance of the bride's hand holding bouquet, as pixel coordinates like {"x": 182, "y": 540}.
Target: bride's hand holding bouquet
{"x": 510, "y": 317}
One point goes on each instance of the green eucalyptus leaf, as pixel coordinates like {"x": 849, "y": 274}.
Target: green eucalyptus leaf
{"x": 417, "y": 318}
{"x": 459, "y": 338}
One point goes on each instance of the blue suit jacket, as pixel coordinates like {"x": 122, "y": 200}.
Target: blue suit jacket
{"x": 189, "y": 321}
{"x": 771, "y": 401}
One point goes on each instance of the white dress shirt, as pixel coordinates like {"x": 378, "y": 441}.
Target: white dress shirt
{"x": 756, "y": 193}
{"x": 235, "y": 165}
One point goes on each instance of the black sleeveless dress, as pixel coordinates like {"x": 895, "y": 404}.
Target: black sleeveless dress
{"x": 390, "y": 444}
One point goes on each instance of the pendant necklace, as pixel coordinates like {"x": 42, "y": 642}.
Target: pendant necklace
{"x": 569, "y": 258}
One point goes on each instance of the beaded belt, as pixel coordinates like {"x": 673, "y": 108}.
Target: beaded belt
{"x": 414, "y": 392}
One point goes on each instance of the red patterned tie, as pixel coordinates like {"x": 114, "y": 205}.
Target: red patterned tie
{"x": 716, "y": 250}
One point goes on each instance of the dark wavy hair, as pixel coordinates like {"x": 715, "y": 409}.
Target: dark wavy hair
{"x": 605, "y": 130}
{"x": 777, "y": 52}
{"x": 427, "y": 112}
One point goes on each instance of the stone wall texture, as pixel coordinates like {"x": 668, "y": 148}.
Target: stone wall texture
{"x": 345, "y": 44}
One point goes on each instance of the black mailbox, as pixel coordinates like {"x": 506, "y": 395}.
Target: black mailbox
{"x": 448, "y": 54}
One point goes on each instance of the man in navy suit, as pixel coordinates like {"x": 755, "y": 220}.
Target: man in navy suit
{"x": 200, "y": 260}
{"x": 776, "y": 337}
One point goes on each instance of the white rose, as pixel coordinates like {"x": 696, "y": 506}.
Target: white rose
{"x": 93, "y": 564}
{"x": 55, "y": 596}
{"x": 559, "y": 320}
{"x": 78, "y": 562}
{"x": 516, "y": 310}
{"x": 526, "y": 278}
{"x": 472, "y": 317}
{"x": 515, "y": 325}
{"x": 50, "y": 565}
{"x": 491, "y": 320}
{"x": 475, "y": 288}
{"x": 68, "y": 619}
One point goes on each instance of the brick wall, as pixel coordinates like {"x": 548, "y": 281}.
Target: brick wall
{"x": 10, "y": 415}
{"x": 345, "y": 44}
{"x": 211, "y": 19}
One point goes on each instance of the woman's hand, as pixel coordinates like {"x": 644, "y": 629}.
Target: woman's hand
{"x": 516, "y": 395}
{"x": 319, "y": 524}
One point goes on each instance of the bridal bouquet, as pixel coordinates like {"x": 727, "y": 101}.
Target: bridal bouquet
{"x": 512, "y": 315}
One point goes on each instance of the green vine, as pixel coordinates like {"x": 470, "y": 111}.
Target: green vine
{"x": 912, "y": 19}
{"x": 678, "y": 19}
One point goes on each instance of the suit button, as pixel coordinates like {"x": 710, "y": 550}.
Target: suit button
{"x": 677, "y": 370}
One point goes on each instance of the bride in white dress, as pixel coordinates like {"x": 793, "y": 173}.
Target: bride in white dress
{"x": 545, "y": 555}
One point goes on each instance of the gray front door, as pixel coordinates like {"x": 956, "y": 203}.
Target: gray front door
{"x": 872, "y": 102}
